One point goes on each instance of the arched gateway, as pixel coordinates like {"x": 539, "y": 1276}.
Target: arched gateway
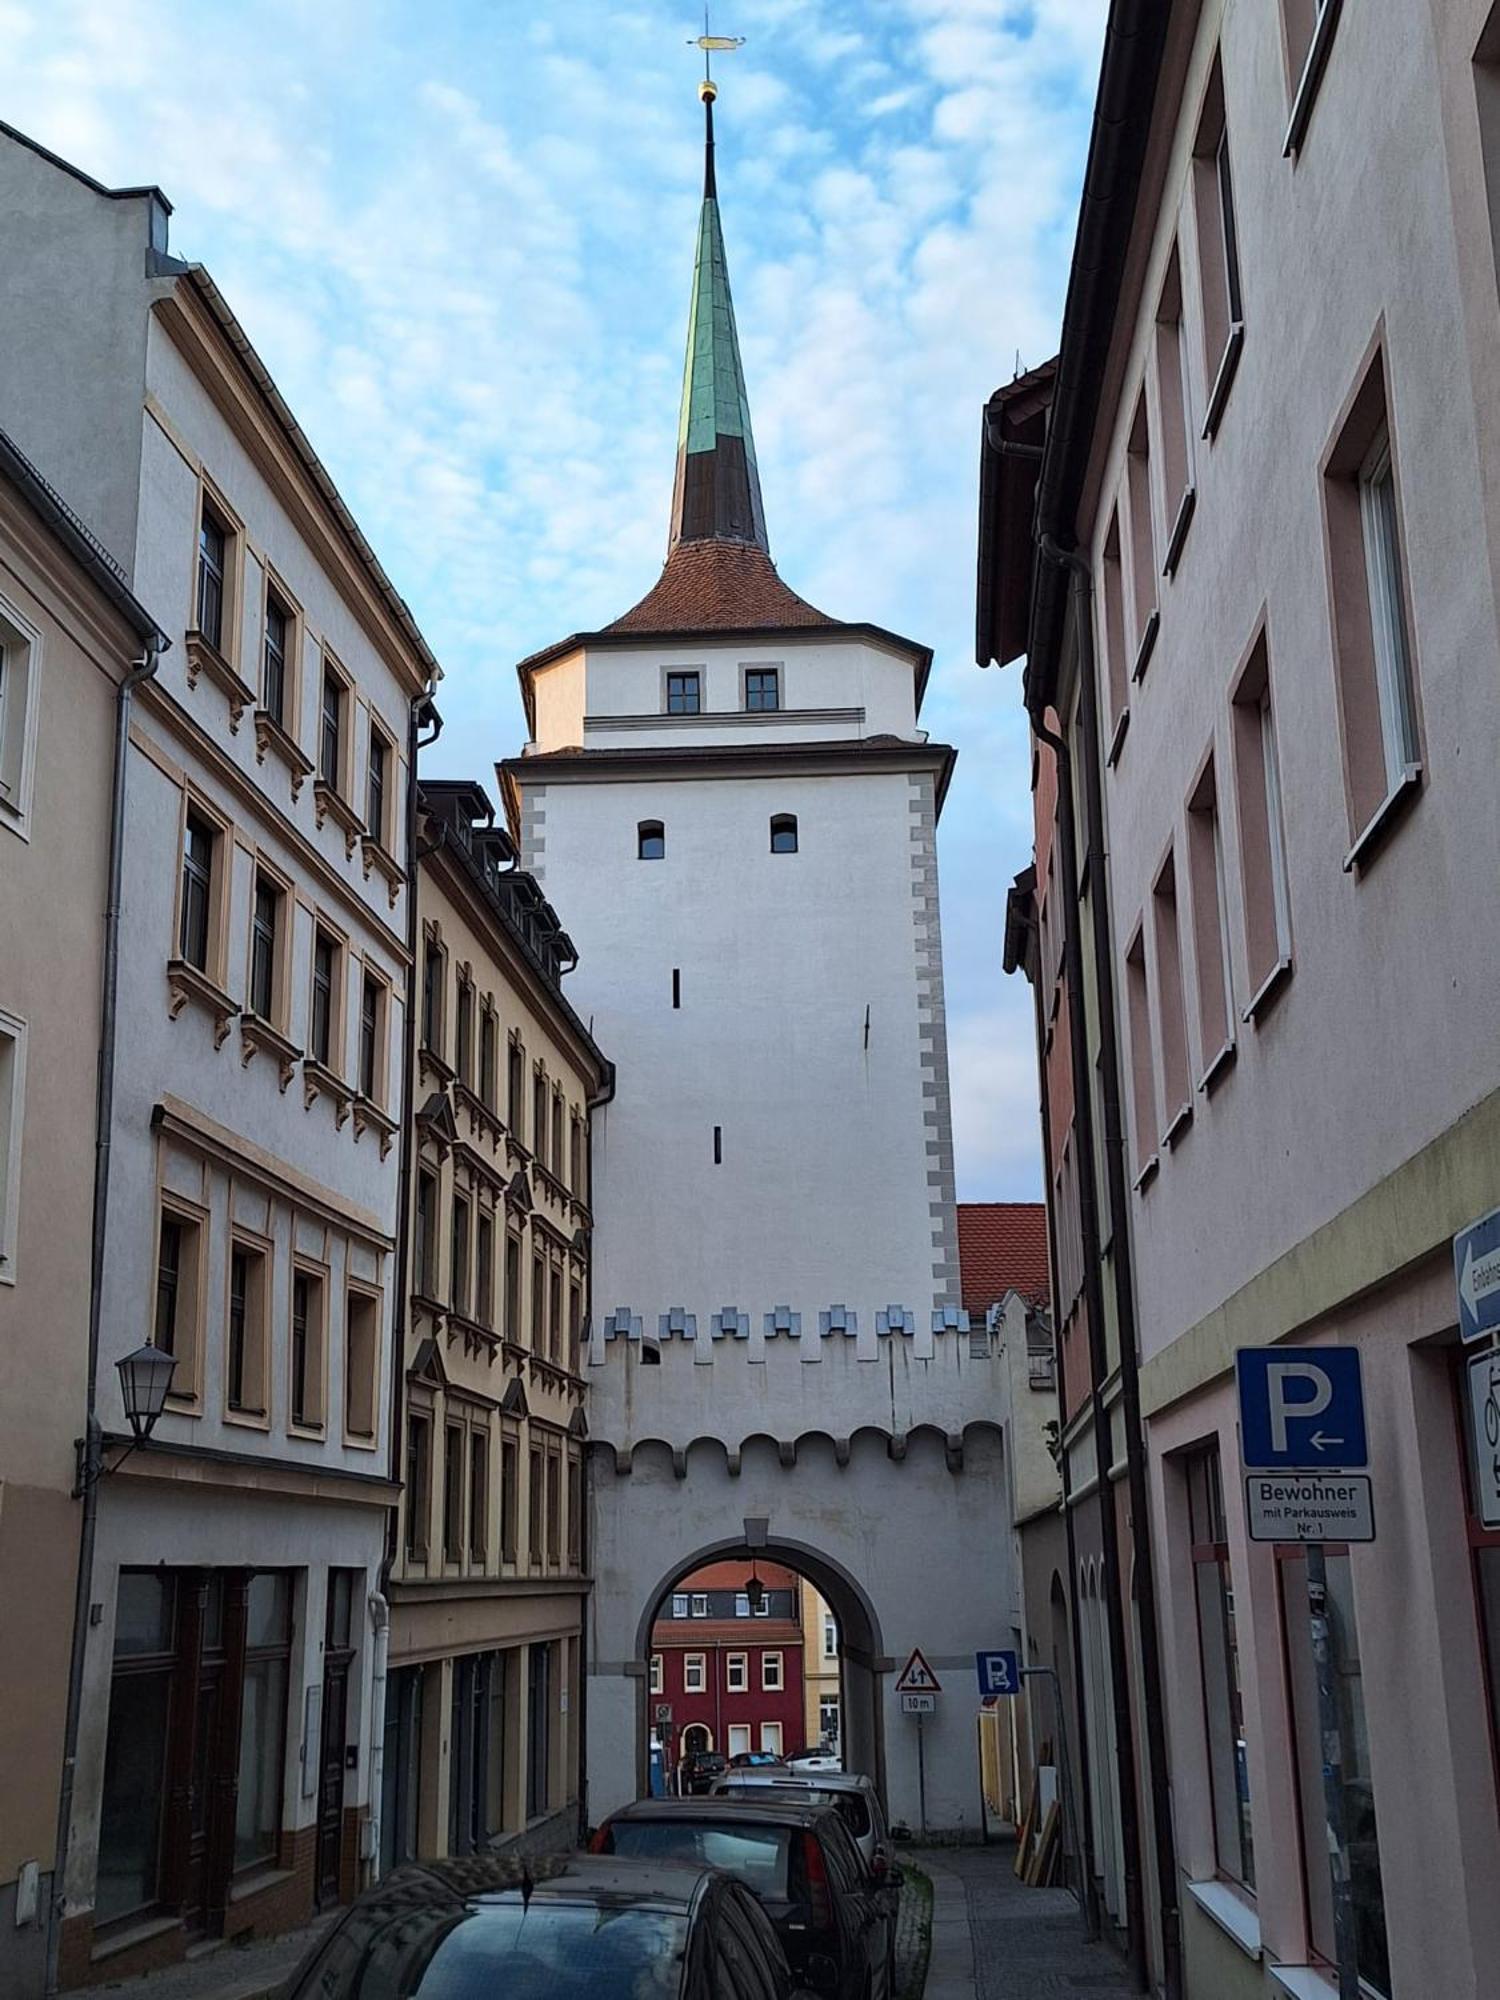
{"x": 776, "y": 1352}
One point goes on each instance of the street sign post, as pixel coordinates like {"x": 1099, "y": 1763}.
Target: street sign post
{"x": 1302, "y": 1409}
{"x": 1484, "y": 1417}
{"x": 1302, "y": 1417}
{"x": 917, "y": 1686}
{"x": 999, "y": 1673}
{"x": 1476, "y": 1271}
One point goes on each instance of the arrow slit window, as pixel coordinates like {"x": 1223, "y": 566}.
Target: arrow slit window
{"x": 1219, "y": 1659}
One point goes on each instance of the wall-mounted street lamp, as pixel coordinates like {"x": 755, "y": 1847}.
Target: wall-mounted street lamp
{"x": 755, "y": 1590}
{"x": 145, "y": 1377}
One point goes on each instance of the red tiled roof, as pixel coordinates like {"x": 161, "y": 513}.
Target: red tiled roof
{"x": 1002, "y": 1247}
{"x": 712, "y": 586}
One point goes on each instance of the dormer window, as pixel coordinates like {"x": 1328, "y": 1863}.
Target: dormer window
{"x": 684, "y": 693}
{"x": 784, "y": 833}
{"x": 762, "y": 688}
{"x": 650, "y": 840}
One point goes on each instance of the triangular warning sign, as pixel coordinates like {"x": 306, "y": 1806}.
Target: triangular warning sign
{"x": 917, "y": 1677}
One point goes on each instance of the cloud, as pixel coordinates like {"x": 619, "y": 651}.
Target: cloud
{"x": 992, "y": 1070}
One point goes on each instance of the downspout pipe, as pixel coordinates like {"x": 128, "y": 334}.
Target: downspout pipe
{"x": 1153, "y": 1699}
{"x": 1093, "y": 1287}
{"x": 1078, "y": 1739}
{"x": 93, "y": 1437}
{"x": 422, "y": 714}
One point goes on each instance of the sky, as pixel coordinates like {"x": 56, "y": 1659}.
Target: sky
{"x": 461, "y": 237}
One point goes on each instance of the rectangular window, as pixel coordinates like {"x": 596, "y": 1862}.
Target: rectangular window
{"x": 426, "y": 1244}
{"x": 331, "y": 729}
{"x": 432, "y": 998}
{"x": 177, "y": 1307}
{"x": 575, "y": 1154}
{"x": 556, "y": 1161}
{"x": 512, "y": 1328}
{"x": 1218, "y": 250}
{"x": 762, "y": 688}
{"x": 694, "y": 1673}
{"x": 274, "y": 649}
{"x": 1377, "y": 506}
{"x": 265, "y": 928}
{"x": 458, "y": 1264}
{"x": 535, "y": 1508}
{"x": 200, "y": 838}
{"x": 361, "y": 1362}
{"x": 1177, "y": 1086}
{"x": 484, "y": 1271}
{"x": 463, "y": 1053}
{"x": 1371, "y": 1953}
{"x": 682, "y": 693}
{"x": 214, "y": 543}
{"x": 575, "y": 1512}
{"x": 539, "y": 1118}
{"x": 700, "y": 1604}
{"x": 737, "y": 1673}
{"x": 515, "y": 1071}
{"x": 1219, "y": 1660}
{"x": 1174, "y": 402}
{"x": 770, "y": 1737}
{"x": 479, "y": 1495}
{"x": 742, "y": 1604}
{"x": 656, "y": 1682}
{"x": 679, "y": 1604}
{"x": 307, "y": 1350}
{"x": 487, "y": 1032}
{"x": 1263, "y": 872}
{"x": 554, "y": 1314}
{"x": 324, "y": 997}
{"x": 763, "y": 1609}
{"x": 1142, "y": 1072}
{"x": 376, "y": 785}
{"x": 575, "y": 1317}
{"x": 12, "y": 1104}
{"x": 771, "y": 1673}
{"x": 1117, "y": 664}
{"x": 263, "y": 1713}
{"x": 18, "y": 658}
{"x": 1142, "y": 537}
{"x": 740, "y": 1739}
{"x": 453, "y": 1493}
{"x": 554, "y": 1510}
{"x": 1210, "y": 921}
{"x": 136, "y": 1762}
{"x": 418, "y": 1484}
{"x": 830, "y": 1637}
{"x": 245, "y": 1361}
{"x": 371, "y": 1037}
{"x": 1308, "y": 27}
{"x": 509, "y": 1499}
{"x": 538, "y": 1302}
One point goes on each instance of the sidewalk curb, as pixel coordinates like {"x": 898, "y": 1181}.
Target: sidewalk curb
{"x": 950, "y": 1968}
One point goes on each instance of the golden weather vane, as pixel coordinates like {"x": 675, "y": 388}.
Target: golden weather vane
{"x": 709, "y": 43}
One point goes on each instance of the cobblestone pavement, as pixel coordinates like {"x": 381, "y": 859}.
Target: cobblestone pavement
{"x": 1025, "y": 1944}
{"x": 911, "y": 1936}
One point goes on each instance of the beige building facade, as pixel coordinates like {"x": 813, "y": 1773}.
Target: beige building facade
{"x": 822, "y": 1705}
{"x": 70, "y": 637}
{"x": 483, "y": 1727}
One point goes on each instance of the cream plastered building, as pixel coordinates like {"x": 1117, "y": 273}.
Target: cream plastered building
{"x": 229, "y": 1716}
{"x": 71, "y": 634}
{"x": 822, "y": 1709}
{"x": 483, "y": 1723}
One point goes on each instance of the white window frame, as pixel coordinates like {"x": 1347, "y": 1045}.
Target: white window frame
{"x": 12, "y": 1113}
{"x": 656, "y": 1682}
{"x": 737, "y": 1673}
{"x": 20, "y": 704}
{"x": 700, "y": 1603}
{"x": 763, "y": 1609}
{"x": 767, "y": 1684}
{"x": 679, "y": 1604}
{"x": 830, "y": 1636}
{"x": 1389, "y": 638}
{"x": 740, "y": 1738}
{"x": 771, "y": 1737}
{"x": 742, "y": 1604}
{"x": 695, "y": 1673}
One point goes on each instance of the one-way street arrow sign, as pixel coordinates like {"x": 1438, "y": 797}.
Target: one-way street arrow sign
{"x": 1476, "y": 1267}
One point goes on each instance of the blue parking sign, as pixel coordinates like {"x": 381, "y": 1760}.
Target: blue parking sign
{"x": 1301, "y": 1409}
{"x": 999, "y": 1673}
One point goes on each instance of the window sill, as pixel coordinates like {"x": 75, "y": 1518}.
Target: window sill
{"x": 333, "y": 805}
{"x": 318, "y": 1080}
{"x": 247, "y": 1419}
{"x": 187, "y": 983}
{"x": 139, "y": 1932}
{"x": 1218, "y": 1068}
{"x": 1147, "y": 647}
{"x": 378, "y": 855}
{"x": 1311, "y": 78}
{"x": 1117, "y": 741}
{"x": 1224, "y": 379}
{"x": 1178, "y": 536}
{"x": 1266, "y": 992}
{"x": 1303, "y": 1982}
{"x": 1146, "y": 1175}
{"x": 1384, "y": 819}
{"x": 1231, "y": 1910}
{"x": 270, "y": 735}
{"x": 15, "y": 820}
{"x": 255, "y": 1034}
{"x": 1178, "y": 1124}
{"x": 307, "y": 1433}
{"x": 204, "y": 657}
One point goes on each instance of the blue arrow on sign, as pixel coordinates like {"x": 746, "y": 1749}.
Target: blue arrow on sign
{"x": 1302, "y": 1409}
{"x": 999, "y": 1673}
{"x": 1476, "y": 1270}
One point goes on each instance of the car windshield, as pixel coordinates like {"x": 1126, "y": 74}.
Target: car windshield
{"x": 437, "y": 1952}
{"x": 758, "y": 1855}
{"x": 851, "y": 1806}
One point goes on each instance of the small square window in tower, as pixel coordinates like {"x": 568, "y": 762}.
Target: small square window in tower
{"x": 683, "y": 693}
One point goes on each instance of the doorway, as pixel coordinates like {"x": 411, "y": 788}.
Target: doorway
{"x": 538, "y": 1730}
{"x": 338, "y": 1654}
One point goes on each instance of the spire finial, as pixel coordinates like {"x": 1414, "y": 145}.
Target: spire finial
{"x": 708, "y": 90}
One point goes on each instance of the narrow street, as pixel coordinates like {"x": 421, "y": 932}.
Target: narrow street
{"x": 995, "y": 1939}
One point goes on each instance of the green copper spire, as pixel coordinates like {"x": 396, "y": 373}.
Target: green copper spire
{"x": 716, "y": 494}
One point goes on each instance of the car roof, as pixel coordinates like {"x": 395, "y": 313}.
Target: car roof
{"x": 824, "y": 1781}
{"x": 771, "y": 1812}
{"x": 585, "y": 1879}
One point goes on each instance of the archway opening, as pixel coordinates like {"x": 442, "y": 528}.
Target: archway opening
{"x": 770, "y": 1651}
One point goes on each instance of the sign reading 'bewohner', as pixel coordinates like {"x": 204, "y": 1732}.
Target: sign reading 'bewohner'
{"x": 1291, "y": 1507}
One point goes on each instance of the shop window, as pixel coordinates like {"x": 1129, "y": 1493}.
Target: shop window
{"x": 263, "y": 1713}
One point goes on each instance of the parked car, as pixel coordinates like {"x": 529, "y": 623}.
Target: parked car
{"x": 835, "y": 1917}
{"x": 697, "y": 1771}
{"x": 611, "y": 1929}
{"x": 815, "y": 1760}
{"x": 851, "y": 1791}
{"x": 750, "y": 1760}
